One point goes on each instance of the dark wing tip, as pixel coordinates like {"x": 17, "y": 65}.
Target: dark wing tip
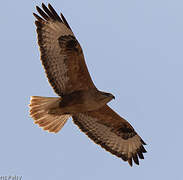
{"x": 50, "y": 6}
{"x": 124, "y": 157}
{"x": 143, "y": 142}
{"x": 48, "y": 13}
{"x": 54, "y": 13}
{"x": 140, "y": 154}
{"x": 43, "y": 4}
{"x": 42, "y": 13}
{"x": 130, "y": 162}
{"x": 135, "y": 159}
{"x": 37, "y": 17}
{"x": 142, "y": 149}
{"x": 65, "y": 21}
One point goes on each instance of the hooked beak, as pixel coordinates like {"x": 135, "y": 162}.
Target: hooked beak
{"x": 113, "y": 97}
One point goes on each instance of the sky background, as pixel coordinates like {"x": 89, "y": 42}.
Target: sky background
{"x": 133, "y": 49}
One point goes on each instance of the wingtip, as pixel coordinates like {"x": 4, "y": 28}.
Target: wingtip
{"x": 50, "y": 6}
{"x": 143, "y": 149}
{"x": 140, "y": 154}
{"x": 43, "y": 5}
{"x": 65, "y": 21}
{"x": 143, "y": 142}
{"x": 37, "y": 7}
{"x": 135, "y": 159}
{"x": 130, "y": 162}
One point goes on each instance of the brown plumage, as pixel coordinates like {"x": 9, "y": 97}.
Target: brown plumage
{"x": 63, "y": 60}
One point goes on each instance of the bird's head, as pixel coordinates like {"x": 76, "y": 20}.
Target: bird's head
{"x": 106, "y": 97}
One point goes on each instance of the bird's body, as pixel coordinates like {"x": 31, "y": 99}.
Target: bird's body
{"x": 66, "y": 70}
{"x": 81, "y": 101}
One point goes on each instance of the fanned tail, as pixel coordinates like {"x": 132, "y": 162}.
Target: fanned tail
{"x": 39, "y": 107}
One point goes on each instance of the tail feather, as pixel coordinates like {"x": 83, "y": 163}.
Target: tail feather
{"x": 52, "y": 129}
{"x": 39, "y": 107}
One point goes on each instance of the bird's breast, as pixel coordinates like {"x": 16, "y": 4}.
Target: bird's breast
{"x": 80, "y": 101}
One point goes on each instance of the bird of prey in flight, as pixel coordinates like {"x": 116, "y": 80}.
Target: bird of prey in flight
{"x": 63, "y": 60}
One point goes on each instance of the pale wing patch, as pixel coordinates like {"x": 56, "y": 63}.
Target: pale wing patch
{"x": 51, "y": 31}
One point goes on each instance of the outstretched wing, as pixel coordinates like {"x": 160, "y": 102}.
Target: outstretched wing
{"x": 61, "y": 53}
{"x": 106, "y": 128}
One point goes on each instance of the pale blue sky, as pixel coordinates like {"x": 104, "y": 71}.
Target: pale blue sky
{"x": 133, "y": 49}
